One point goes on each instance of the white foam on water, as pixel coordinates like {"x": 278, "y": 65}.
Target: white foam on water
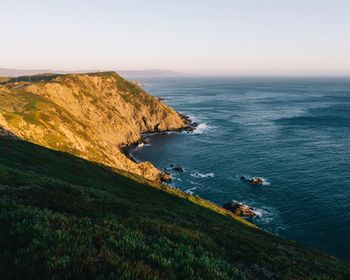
{"x": 201, "y": 128}
{"x": 201, "y": 175}
{"x": 141, "y": 145}
{"x": 170, "y": 132}
{"x": 265, "y": 182}
{"x": 264, "y": 215}
{"x": 190, "y": 191}
{"x": 259, "y": 212}
{"x": 193, "y": 183}
{"x": 193, "y": 118}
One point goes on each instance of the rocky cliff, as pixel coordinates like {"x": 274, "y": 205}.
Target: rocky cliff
{"x": 88, "y": 115}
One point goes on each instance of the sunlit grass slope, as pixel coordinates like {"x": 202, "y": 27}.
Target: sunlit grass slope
{"x": 65, "y": 217}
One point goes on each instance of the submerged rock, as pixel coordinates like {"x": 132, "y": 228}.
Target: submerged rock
{"x": 239, "y": 209}
{"x": 195, "y": 124}
{"x": 189, "y": 128}
{"x": 162, "y": 98}
{"x": 177, "y": 168}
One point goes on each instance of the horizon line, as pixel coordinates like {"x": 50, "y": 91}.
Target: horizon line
{"x": 162, "y": 72}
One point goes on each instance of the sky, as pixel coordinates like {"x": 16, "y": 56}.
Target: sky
{"x": 219, "y": 37}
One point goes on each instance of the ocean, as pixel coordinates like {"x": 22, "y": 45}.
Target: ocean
{"x": 293, "y": 132}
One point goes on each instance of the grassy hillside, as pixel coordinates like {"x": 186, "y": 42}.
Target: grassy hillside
{"x": 65, "y": 217}
{"x": 4, "y": 79}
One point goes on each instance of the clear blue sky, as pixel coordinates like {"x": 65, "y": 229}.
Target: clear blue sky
{"x": 208, "y": 36}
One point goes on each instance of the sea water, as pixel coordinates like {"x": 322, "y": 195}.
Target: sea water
{"x": 293, "y": 132}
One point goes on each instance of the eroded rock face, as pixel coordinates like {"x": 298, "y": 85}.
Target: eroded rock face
{"x": 239, "y": 209}
{"x": 166, "y": 177}
{"x": 88, "y": 115}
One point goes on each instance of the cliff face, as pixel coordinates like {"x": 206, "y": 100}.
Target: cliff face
{"x": 88, "y": 115}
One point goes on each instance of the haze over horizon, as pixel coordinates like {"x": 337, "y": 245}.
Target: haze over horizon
{"x": 201, "y": 37}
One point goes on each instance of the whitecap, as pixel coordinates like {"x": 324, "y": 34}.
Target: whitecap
{"x": 201, "y": 175}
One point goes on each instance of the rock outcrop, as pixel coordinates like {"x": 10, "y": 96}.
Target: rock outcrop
{"x": 88, "y": 115}
{"x": 177, "y": 168}
{"x": 239, "y": 209}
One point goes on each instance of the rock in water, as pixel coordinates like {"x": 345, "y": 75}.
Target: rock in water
{"x": 189, "y": 128}
{"x": 177, "y": 168}
{"x": 239, "y": 209}
{"x": 195, "y": 124}
{"x": 166, "y": 177}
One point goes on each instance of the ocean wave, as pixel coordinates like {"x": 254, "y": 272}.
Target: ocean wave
{"x": 201, "y": 128}
{"x": 193, "y": 118}
{"x": 201, "y": 175}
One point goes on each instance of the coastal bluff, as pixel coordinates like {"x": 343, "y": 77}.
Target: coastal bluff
{"x": 73, "y": 210}
{"x": 89, "y": 115}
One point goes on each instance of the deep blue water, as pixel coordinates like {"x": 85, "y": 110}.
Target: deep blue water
{"x": 294, "y": 132}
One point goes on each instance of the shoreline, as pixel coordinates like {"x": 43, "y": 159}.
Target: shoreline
{"x": 127, "y": 149}
{"x": 234, "y": 207}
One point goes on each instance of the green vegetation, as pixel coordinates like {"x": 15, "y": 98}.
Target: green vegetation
{"x": 33, "y": 78}
{"x": 63, "y": 217}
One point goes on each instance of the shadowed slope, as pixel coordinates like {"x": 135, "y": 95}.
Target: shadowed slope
{"x": 65, "y": 217}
